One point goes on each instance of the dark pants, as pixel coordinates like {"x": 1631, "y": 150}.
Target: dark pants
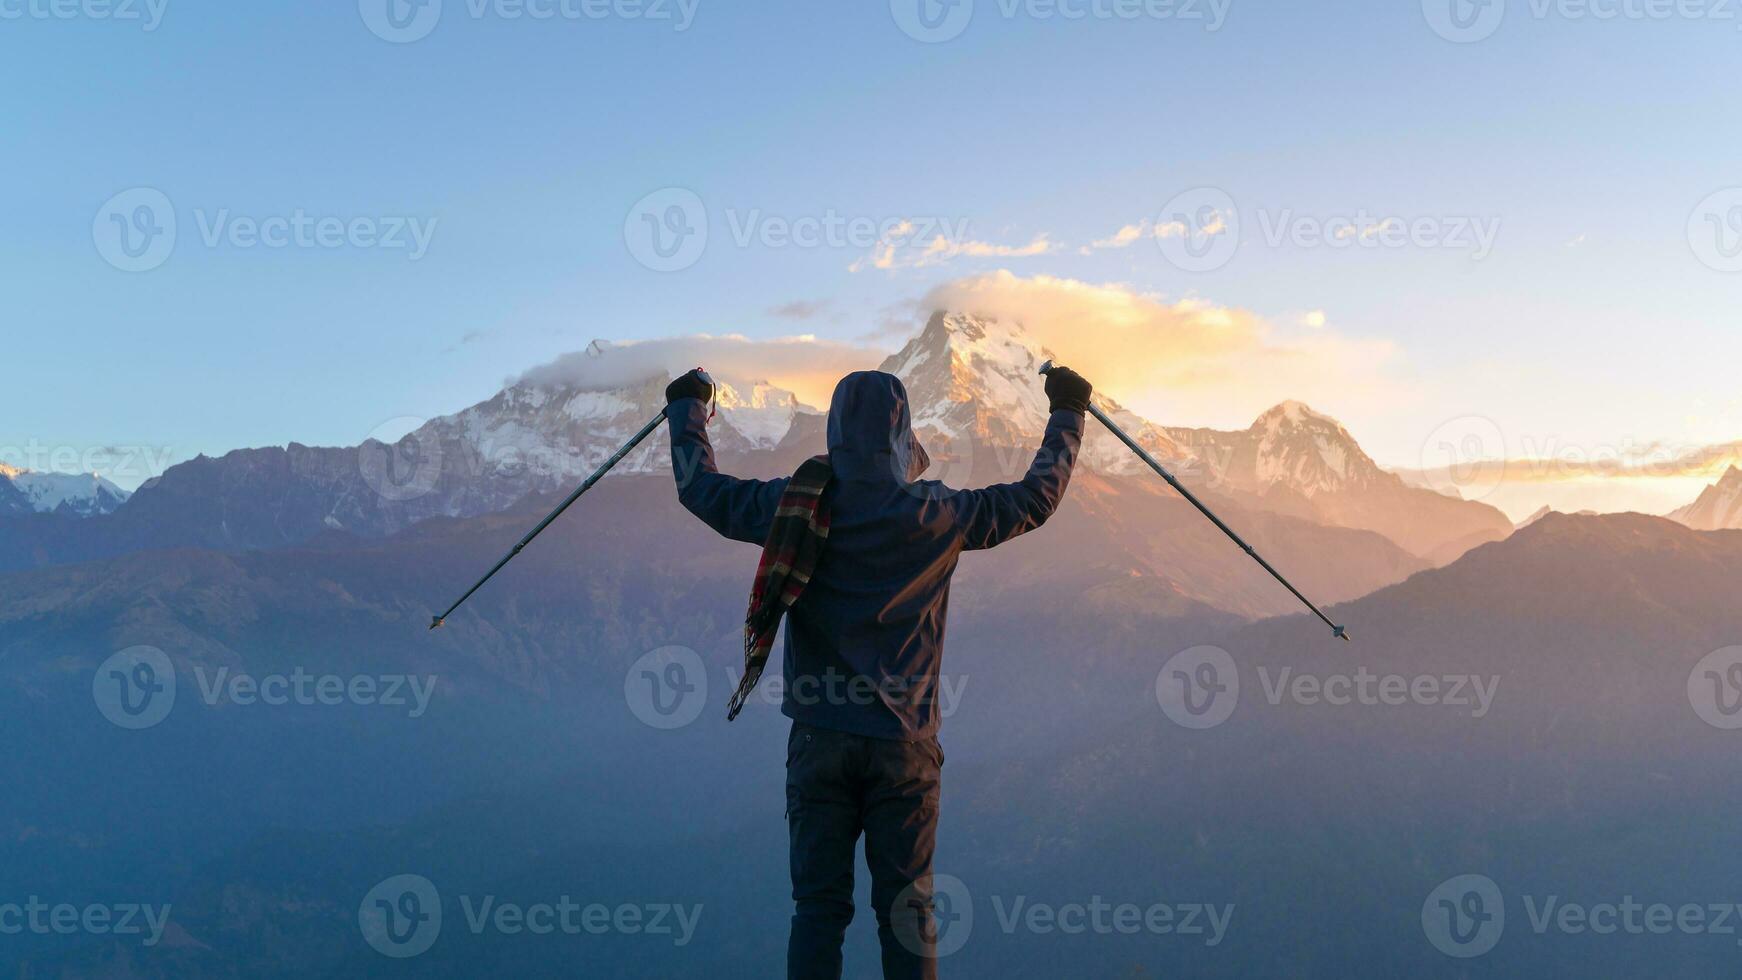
{"x": 838, "y": 786}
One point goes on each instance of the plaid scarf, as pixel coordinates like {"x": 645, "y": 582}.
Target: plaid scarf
{"x": 795, "y": 542}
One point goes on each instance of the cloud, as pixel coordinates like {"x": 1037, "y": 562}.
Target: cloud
{"x": 805, "y": 365}
{"x": 1216, "y": 225}
{"x": 800, "y": 309}
{"x": 1123, "y": 238}
{"x": 942, "y": 249}
{"x": 1366, "y": 231}
{"x": 466, "y": 339}
{"x": 1555, "y": 463}
{"x": 1182, "y": 359}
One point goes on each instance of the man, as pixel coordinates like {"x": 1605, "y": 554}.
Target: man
{"x": 860, "y": 551}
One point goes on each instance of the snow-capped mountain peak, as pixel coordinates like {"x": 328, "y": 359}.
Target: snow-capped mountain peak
{"x": 74, "y": 494}
{"x": 760, "y": 412}
{"x": 1308, "y": 450}
{"x": 1718, "y": 507}
{"x": 973, "y": 377}
{"x": 976, "y": 379}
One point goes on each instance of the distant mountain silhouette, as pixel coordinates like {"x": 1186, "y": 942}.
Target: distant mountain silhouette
{"x": 1719, "y": 506}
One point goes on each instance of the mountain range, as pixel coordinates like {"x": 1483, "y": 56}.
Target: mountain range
{"x": 977, "y": 404}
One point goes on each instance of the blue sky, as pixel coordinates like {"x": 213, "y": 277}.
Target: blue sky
{"x": 521, "y": 146}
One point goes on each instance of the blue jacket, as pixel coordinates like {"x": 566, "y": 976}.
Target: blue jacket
{"x": 865, "y": 641}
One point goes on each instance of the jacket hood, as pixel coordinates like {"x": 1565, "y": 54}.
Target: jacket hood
{"x": 871, "y": 430}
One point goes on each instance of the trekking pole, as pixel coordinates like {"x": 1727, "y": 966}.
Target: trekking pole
{"x": 1143, "y": 454}
{"x": 616, "y": 457}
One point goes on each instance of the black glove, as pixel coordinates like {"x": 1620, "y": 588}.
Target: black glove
{"x": 695, "y": 384}
{"x": 1068, "y": 391}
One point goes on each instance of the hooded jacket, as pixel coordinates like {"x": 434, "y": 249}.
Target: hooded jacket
{"x": 864, "y": 644}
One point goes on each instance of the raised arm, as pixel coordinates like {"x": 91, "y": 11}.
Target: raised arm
{"x": 988, "y": 518}
{"x": 738, "y": 509}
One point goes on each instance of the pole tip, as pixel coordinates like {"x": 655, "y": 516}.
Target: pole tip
{"x": 1341, "y": 633}
{"x": 436, "y": 622}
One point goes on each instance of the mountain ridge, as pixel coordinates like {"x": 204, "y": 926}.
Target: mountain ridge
{"x": 978, "y": 405}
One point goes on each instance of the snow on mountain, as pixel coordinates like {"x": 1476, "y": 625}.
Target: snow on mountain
{"x": 73, "y": 494}
{"x": 1294, "y": 460}
{"x": 1291, "y": 445}
{"x": 976, "y": 385}
{"x": 1718, "y": 507}
{"x": 763, "y": 414}
{"x": 978, "y": 403}
{"x": 542, "y": 435}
